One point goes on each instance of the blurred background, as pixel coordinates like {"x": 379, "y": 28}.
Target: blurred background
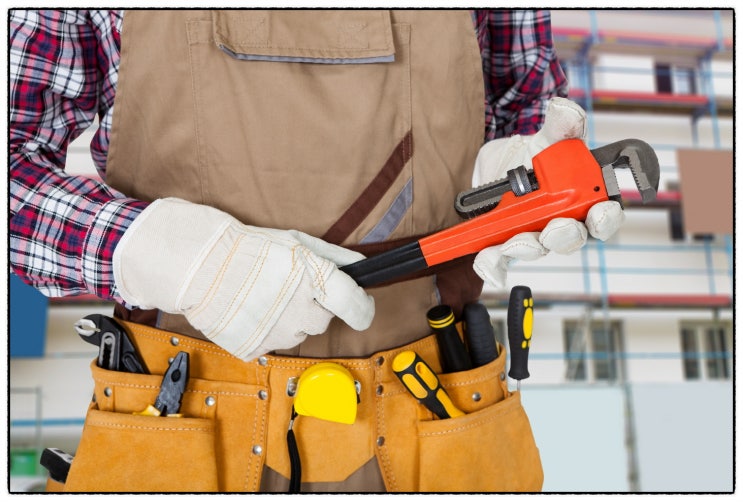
{"x": 631, "y": 364}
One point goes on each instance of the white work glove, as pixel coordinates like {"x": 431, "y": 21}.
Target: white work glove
{"x": 250, "y": 290}
{"x": 563, "y": 120}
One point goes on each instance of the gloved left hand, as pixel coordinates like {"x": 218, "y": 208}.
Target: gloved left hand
{"x": 564, "y": 119}
{"x": 250, "y": 290}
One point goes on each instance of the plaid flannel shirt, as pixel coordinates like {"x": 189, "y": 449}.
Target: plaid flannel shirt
{"x": 63, "y": 73}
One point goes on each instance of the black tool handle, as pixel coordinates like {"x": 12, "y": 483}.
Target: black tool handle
{"x": 387, "y": 266}
{"x": 454, "y": 356}
{"x": 57, "y": 462}
{"x": 123, "y": 355}
{"x": 479, "y": 334}
{"x": 520, "y": 321}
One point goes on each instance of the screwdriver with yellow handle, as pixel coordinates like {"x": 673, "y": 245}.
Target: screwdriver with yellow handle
{"x": 421, "y": 381}
{"x": 520, "y": 322}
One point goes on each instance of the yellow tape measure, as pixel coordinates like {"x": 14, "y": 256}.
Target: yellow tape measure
{"x": 327, "y": 391}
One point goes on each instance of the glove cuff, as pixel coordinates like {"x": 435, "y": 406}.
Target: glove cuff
{"x": 157, "y": 253}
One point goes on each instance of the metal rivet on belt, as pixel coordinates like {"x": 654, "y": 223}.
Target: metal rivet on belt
{"x": 257, "y": 449}
{"x": 380, "y": 441}
{"x": 380, "y": 361}
{"x": 291, "y": 386}
{"x": 502, "y": 376}
{"x": 107, "y": 392}
{"x": 210, "y": 400}
{"x": 380, "y": 390}
{"x": 476, "y": 396}
{"x": 262, "y": 395}
{"x": 174, "y": 341}
{"x": 263, "y": 361}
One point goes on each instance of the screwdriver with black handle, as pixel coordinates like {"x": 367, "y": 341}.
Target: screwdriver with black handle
{"x": 454, "y": 356}
{"x": 421, "y": 381}
{"x": 479, "y": 334}
{"x": 520, "y": 322}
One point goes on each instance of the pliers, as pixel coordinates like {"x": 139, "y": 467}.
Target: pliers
{"x": 168, "y": 402}
{"x": 115, "y": 350}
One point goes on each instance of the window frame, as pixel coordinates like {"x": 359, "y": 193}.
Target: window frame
{"x": 706, "y": 350}
{"x": 589, "y": 358}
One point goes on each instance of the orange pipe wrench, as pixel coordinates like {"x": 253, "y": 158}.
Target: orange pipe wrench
{"x": 567, "y": 180}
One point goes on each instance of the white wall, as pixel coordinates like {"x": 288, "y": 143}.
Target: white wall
{"x": 683, "y": 437}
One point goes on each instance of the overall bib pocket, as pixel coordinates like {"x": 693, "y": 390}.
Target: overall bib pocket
{"x": 316, "y": 90}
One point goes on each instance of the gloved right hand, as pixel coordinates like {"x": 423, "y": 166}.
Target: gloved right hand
{"x": 250, "y": 290}
{"x": 564, "y": 119}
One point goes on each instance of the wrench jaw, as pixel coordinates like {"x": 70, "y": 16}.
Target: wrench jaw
{"x": 611, "y": 183}
{"x": 641, "y": 160}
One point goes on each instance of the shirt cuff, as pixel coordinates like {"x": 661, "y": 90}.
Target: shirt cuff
{"x": 104, "y": 234}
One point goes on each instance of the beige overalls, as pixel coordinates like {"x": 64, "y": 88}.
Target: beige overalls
{"x": 359, "y": 127}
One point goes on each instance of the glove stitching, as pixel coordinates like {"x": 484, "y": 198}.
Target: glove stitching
{"x": 318, "y": 264}
{"x": 212, "y": 290}
{"x": 523, "y": 244}
{"x": 311, "y": 261}
{"x": 250, "y": 281}
{"x": 294, "y": 273}
{"x": 547, "y": 233}
{"x": 598, "y": 223}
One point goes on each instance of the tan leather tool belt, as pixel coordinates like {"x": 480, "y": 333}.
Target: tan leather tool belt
{"x": 232, "y": 435}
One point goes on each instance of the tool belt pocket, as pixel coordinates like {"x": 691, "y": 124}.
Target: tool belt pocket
{"x": 121, "y": 451}
{"x": 490, "y": 448}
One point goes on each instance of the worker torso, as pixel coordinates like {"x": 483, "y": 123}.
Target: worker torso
{"x": 359, "y": 127}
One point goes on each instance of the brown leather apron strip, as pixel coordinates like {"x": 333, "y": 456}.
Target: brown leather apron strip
{"x": 373, "y": 193}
